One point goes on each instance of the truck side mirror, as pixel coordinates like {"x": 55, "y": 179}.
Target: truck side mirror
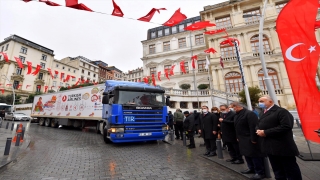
{"x": 168, "y": 101}
{"x": 105, "y": 99}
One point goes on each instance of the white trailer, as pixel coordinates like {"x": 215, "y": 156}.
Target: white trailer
{"x": 79, "y": 107}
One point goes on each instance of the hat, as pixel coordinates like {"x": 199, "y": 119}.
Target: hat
{"x": 186, "y": 112}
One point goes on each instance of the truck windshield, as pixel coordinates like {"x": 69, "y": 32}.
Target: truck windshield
{"x": 141, "y": 98}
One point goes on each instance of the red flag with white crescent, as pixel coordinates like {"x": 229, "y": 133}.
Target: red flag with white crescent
{"x": 19, "y": 62}
{"x": 29, "y": 67}
{"x": 146, "y": 80}
{"x": 159, "y": 75}
{"x": 175, "y": 19}
{"x": 148, "y": 17}
{"x": 172, "y": 70}
{"x": 50, "y": 73}
{"x": 153, "y": 80}
{"x": 37, "y": 70}
{"x": 210, "y": 50}
{"x": 182, "y": 68}
{"x": 116, "y": 10}
{"x": 166, "y": 74}
{"x": 5, "y": 56}
{"x": 295, "y": 28}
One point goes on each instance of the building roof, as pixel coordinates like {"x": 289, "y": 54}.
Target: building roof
{"x": 55, "y": 60}
{"x": 219, "y": 5}
{"x": 114, "y": 68}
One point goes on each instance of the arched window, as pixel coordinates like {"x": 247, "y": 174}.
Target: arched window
{"x": 227, "y": 51}
{"x": 274, "y": 78}
{"x": 233, "y": 82}
{"x": 255, "y": 43}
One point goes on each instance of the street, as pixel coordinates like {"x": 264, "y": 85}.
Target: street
{"x": 74, "y": 154}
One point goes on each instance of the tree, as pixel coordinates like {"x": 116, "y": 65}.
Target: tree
{"x": 185, "y": 86}
{"x": 51, "y": 91}
{"x": 254, "y": 93}
{"x": 203, "y": 86}
{"x": 31, "y": 97}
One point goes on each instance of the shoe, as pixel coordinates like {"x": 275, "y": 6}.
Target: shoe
{"x": 258, "y": 176}
{"x": 212, "y": 154}
{"x": 237, "y": 162}
{"x": 207, "y": 153}
{"x": 248, "y": 171}
{"x": 191, "y": 147}
{"x": 231, "y": 160}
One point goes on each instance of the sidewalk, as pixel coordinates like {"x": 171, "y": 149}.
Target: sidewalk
{"x": 14, "y": 150}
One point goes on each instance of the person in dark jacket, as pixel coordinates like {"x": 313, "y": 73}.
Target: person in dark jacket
{"x": 208, "y": 127}
{"x": 196, "y": 120}
{"x": 275, "y": 130}
{"x": 245, "y": 122}
{"x": 188, "y": 125}
{"x": 178, "y": 123}
{"x": 170, "y": 124}
{"x": 229, "y": 136}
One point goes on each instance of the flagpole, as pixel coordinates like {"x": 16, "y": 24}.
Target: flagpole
{"x": 210, "y": 83}
{"x": 225, "y": 85}
{"x": 194, "y": 73}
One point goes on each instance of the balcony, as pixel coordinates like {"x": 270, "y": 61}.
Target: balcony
{"x": 253, "y": 22}
{"x": 265, "y": 53}
{"x": 17, "y": 77}
{"x": 277, "y": 91}
{"x": 39, "y": 81}
{"x": 231, "y": 58}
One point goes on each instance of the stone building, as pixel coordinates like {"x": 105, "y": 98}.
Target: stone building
{"x": 135, "y": 75}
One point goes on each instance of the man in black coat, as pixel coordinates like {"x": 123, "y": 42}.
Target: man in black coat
{"x": 245, "y": 122}
{"x": 275, "y": 129}
{"x": 208, "y": 127}
{"x": 170, "y": 123}
{"x": 188, "y": 125}
{"x": 229, "y": 136}
{"x": 196, "y": 120}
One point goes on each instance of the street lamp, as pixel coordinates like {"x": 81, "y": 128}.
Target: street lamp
{"x": 267, "y": 79}
{"x": 14, "y": 97}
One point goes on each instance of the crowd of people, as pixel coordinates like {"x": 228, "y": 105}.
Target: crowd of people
{"x": 247, "y": 135}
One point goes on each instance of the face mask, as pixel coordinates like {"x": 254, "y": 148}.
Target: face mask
{"x": 214, "y": 111}
{"x": 262, "y": 105}
{"x": 224, "y": 112}
{"x": 231, "y": 109}
{"x": 205, "y": 111}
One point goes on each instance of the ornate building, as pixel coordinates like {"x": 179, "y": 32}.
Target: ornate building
{"x": 135, "y": 75}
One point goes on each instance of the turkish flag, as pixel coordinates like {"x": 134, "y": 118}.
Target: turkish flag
{"x": 229, "y": 40}
{"x": 67, "y": 78}
{"x": 193, "y": 63}
{"x": 74, "y": 4}
{"x": 37, "y": 70}
{"x": 50, "y": 73}
{"x": 166, "y": 73}
{"x": 19, "y": 62}
{"x": 215, "y": 31}
{"x": 56, "y": 72}
{"x": 159, "y": 75}
{"x": 146, "y": 80}
{"x": 182, "y": 68}
{"x": 19, "y": 85}
{"x": 45, "y": 88}
{"x": 116, "y": 10}
{"x": 221, "y": 62}
{"x": 199, "y": 25}
{"x": 153, "y": 80}
{"x": 71, "y": 2}
{"x": 2, "y": 91}
{"x": 295, "y": 27}
{"x": 50, "y": 3}
{"x": 210, "y": 50}
{"x": 61, "y": 76}
{"x": 172, "y": 69}
{"x": 5, "y": 56}
{"x": 27, "y": 86}
{"x": 149, "y": 16}
{"x": 26, "y": 0}
{"x": 175, "y": 19}
{"x": 29, "y": 67}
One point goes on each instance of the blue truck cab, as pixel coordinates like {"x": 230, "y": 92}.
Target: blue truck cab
{"x": 133, "y": 112}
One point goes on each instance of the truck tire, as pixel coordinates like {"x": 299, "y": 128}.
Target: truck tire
{"x": 41, "y": 121}
{"x": 47, "y": 122}
{"x": 105, "y": 134}
{"x": 54, "y": 123}
{"x": 98, "y": 128}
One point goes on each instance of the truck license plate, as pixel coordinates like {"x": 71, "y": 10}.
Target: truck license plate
{"x": 145, "y": 134}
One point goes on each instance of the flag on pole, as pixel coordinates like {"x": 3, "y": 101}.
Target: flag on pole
{"x": 221, "y": 62}
{"x": 207, "y": 62}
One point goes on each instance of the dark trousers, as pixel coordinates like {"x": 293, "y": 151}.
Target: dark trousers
{"x": 234, "y": 151}
{"x": 256, "y": 164}
{"x": 178, "y": 128}
{"x": 191, "y": 137}
{"x": 285, "y": 167}
{"x": 211, "y": 144}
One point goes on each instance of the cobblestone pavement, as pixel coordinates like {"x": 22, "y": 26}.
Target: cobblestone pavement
{"x": 72, "y": 154}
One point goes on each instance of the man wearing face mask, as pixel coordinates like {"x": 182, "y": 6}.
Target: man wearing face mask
{"x": 275, "y": 131}
{"x": 229, "y": 134}
{"x": 208, "y": 127}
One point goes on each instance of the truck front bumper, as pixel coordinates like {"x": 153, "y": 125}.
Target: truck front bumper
{"x": 137, "y": 137}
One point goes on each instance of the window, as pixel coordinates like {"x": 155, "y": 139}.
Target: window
{"x": 23, "y": 50}
{"x": 233, "y": 82}
{"x": 88, "y": 73}
{"x": 62, "y": 67}
{"x": 7, "y": 46}
{"x": 182, "y": 42}
{"x": 166, "y": 31}
{"x": 172, "y": 104}
{"x": 199, "y": 39}
{"x": 54, "y": 83}
{"x": 201, "y": 64}
{"x": 174, "y": 29}
{"x": 55, "y": 76}
{"x": 195, "y": 105}
{"x": 181, "y": 27}
{"x": 2, "y": 48}
{"x": 82, "y": 71}
{"x": 43, "y": 65}
{"x": 153, "y": 34}
{"x": 57, "y": 65}
{"x": 252, "y": 18}
{"x": 94, "y": 75}
{"x": 166, "y": 46}
{"x": 16, "y": 84}
{"x": 273, "y": 76}
{"x": 61, "y": 84}
{"x": 160, "y": 33}
{"x": 68, "y": 69}
{"x": 224, "y": 22}
{"x": 22, "y": 58}
{"x": 62, "y": 76}
{"x": 153, "y": 71}
{"x": 255, "y": 44}
{"x": 152, "y": 49}
{"x": 84, "y": 64}
{"x": 40, "y": 76}
{"x": 184, "y": 105}
{"x": 44, "y": 57}
{"x": 227, "y": 51}
{"x": 280, "y": 6}
{"x": 38, "y": 89}
{"x": 18, "y": 71}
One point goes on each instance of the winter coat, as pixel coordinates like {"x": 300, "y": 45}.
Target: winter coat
{"x": 170, "y": 119}
{"x": 188, "y": 123}
{"x": 227, "y": 127}
{"x": 207, "y": 124}
{"x": 196, "y": 118}
{"x": 277, "y": 124}
{"x": 245, "y": 123}
{"x": 178, "y": 116}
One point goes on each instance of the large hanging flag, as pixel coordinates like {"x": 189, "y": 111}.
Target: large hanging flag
{"x": 61, "y": 76}
{"x": 207, "y": 63}
{"x": 193, "y": 59}
{"x": 159, "y": 75}
{"x": 215, "y": 31}
{"x": 146, "y": 80}
{"x": 295, "y": 27}
{"x": 172, "y": 70}
{"x": 116, "y": 10}
{"x": 230, "y": 41}
{"x": 19, "y": 62}
{"x": 153, "y": 80}
{"x": 149, "y": 16}
{"x": 74, "y": 4}
{"x": 166, "y": 73}
{"x": 29, "y": 67}
{"x": 37, "y": 70}
{"x": 199, "y": 25}
{"x": 50, "y": 72}
{"x": 182, "y": 68}
{"x": 175, "y": 19}
{"x": 5, "y": 56}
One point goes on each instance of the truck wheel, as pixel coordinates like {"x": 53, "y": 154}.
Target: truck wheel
{"x": 41, "y": 121}
{"x": 105, "y": 134}
{"x": 47, "y": 122}
{"x": 54, "y": 123}
{"x": 98, "y": 128}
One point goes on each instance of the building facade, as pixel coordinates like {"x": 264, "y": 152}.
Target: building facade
{"x": 25, "y": 50}
{"x": 135, "y": 75}
{"x": 103, "y": 69}
{"x": 60, "y": 72}
{"x": 115, "y": 73}
{"x": 229, "y": 15}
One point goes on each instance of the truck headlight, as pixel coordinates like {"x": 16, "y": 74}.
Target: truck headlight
{"x": 116, "y": 130}
{"x": 165, "y": 128}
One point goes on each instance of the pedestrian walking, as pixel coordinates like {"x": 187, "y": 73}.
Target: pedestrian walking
{"x": 229, "y": 134}
{"x": 245, "y": 122}
{"x": 275, "y": 131}
{"x": 170, "y": 123}
{"x": 208, "y": 127}
{"x": 188, "y": 125}
{"x": 178, "y": 123}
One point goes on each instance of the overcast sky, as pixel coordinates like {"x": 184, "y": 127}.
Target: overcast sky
{"x": 71, "y": 32}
